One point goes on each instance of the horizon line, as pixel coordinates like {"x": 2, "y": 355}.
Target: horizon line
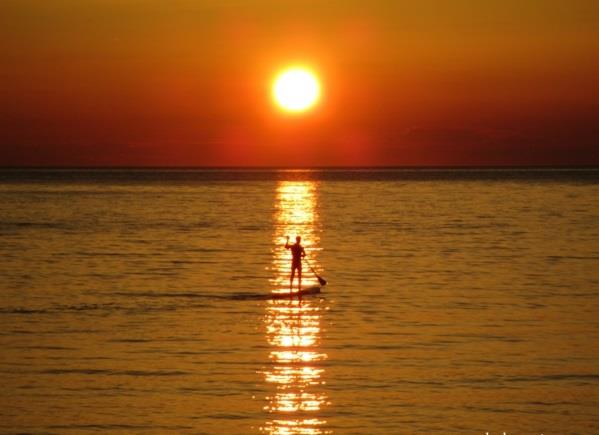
{"x": 301, "y": 168}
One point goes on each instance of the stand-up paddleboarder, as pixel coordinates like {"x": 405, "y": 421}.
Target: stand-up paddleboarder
{"x": 297, "y": 253}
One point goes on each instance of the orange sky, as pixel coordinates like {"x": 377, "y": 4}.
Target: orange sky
{"x": 187, "y": 82}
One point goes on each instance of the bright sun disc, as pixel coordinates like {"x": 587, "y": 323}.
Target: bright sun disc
{"x": 296, "y": 89}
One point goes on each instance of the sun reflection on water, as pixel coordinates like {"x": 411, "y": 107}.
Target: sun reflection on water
{"x": 295, "y": 214}
{"x": 293, "y": 326}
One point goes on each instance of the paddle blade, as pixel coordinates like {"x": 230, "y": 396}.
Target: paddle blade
{"x": 321, "y": 280}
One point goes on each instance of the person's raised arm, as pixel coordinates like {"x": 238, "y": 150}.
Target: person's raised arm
{"x": 287, "y": 245}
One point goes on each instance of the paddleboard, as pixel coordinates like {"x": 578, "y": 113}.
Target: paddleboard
{"x": 304, "y": 292}
{"x": 264, "y": 297}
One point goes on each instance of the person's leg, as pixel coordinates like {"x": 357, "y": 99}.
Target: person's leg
{"x": 299, "y": 279}
{"x": 291, "y": 278}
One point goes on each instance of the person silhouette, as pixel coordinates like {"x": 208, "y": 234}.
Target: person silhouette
{"x": 297, "y": 253}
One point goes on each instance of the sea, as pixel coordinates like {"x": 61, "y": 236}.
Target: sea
{"x": 458, "y": 301}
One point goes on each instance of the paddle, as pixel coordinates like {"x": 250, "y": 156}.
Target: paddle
{"x": 321, "y": 280}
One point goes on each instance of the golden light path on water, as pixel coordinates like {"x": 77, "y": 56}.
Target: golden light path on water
{"x": 293, "y": 326}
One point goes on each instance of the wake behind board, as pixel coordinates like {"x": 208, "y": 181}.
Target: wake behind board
{"x": 274, "y": 296}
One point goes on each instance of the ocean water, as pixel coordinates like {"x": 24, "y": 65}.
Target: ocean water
{"x": 458, "y": 301}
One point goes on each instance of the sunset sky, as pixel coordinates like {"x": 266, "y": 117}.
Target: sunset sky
{"x": 188, "y": 82}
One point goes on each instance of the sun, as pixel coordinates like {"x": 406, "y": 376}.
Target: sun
{"x": 296, "y": 89}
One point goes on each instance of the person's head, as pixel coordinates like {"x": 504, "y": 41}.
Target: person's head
{"x": 298, "y": 239}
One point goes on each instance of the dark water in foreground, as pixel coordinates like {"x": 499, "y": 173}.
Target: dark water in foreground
{"x": 458, "y": 302}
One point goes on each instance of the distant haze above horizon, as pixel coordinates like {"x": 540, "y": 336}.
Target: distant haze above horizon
{"x": 187, "y": 83}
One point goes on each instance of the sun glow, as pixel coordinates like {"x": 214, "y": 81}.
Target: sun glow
{"x": 296, "y": 89}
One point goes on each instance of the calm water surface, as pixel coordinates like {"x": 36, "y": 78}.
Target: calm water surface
{"x": 458, "y": 302}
